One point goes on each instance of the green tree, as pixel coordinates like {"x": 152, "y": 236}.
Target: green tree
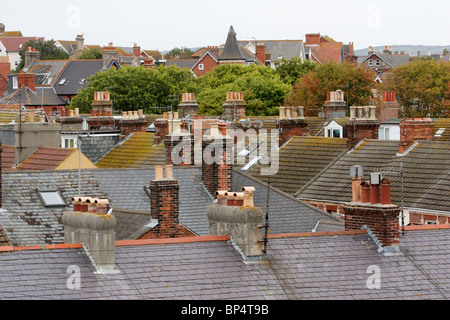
{"x": 134, "y": 88}
{"x": 291, "y": 70}
{"x": 48, "y": 51}
{"x": 421, "y": 87}
{"x": 312, "y": 88}
{"x": 263, "y": 89}
{"x": 180, "y": 53}
{"x": 91, "y": 54}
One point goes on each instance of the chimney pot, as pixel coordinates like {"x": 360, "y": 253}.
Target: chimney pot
{"x": 385, "y": 191}
{"x": 365, "y": 190}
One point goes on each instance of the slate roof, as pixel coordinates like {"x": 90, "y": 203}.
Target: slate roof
{"x": 286, "y": 214}
{"x": 231, "y": 50}
{"x": 46, "y": 71}
{"x": 301, "y": 159}
{"x": 334, "y": 183}
{"x": 43, "y": 96}
{"x": 442, "y": 129}
{"x": 295, "y": 268}
{"x": 136, "y": 151}
{"x": 181, "y": 63}
{"x": 426, "y": 176}
{"x": 426, "y": 170}
{"x": 125, "y": 187}
{"x": 25, "y": 219}
{"x": 75, "y": 71}
{"x": 286, "y": 49}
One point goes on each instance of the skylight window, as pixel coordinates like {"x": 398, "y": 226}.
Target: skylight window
{"x": 62, "y": 82}
{"x": 51, "y": 198}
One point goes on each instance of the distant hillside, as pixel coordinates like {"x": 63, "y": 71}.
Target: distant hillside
{"x": 408, "y": 49}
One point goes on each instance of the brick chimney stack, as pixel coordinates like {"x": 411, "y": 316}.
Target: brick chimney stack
{"x": 261, "y": 52}
{"x": 312, "y": 38}
{"x": 136, "y": 50}
{"x": 363, "y": 124}
{"x": 217, "y": 173}
{"x": 188, "y": 106}
{"x": 110, "y": 53}
{"x": 234, "y": 106}
{"x": 389, "y": 107}
{"x": 413, "y": 130}
{"x": 27, "y": 80}
{"x": 335, "y": 106}
{"x": 31, "y": 55}
{"x": 375, "y": 212}
{"x": 292, "y": 123}
{"x": 79, "y": 42}
{"x": 5, "y": 68}
{"x": 164, "y": 198}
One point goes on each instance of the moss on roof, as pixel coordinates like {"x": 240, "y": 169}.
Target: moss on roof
{"x": 139, "y": 150}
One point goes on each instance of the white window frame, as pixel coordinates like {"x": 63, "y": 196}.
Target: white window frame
{"x": 201, "y": 67}
{"x": 378, "y": 62}
{"x": 15, "y": 83}
{"x": 382, "y": 133}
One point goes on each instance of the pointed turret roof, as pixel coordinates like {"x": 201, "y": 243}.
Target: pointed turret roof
{"x": 231, "y": 49}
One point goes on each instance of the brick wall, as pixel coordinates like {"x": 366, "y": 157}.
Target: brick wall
{"x": 421, "y": 218}
{"x": 161, "y": 129}
{"x": 383, "y": 222}
{"x": 5, "y": 68}
{"x": 182, "y": 142}
{"x": 412, "y": 130}
{"x": 292, "y": 127}
{"x": 132, "y": 125}
{"x": 359, "y": 130}
{"x": 208, "y": 64}
{"x": 164, "y": 198}
{"x": 217, "y": 175}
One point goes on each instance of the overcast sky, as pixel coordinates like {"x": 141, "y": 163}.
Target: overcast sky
{"x": 164, "y": 25}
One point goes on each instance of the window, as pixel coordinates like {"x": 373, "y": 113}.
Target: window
{"x": 201, "y": 66}
{"x": 334, "y": 133}
{"x": 383, "y": 133}
{"x": 69, "y": 143}
{"x": 370, "y": 63}
{"x": 377, "y": 62}
{"x": 15, "y": 83}
{"x": 430, "y": 222}
{"x": 62, "y": 82}
{"x": 51, "y": 198}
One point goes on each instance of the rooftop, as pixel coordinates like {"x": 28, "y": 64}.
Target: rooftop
{"x": 317, "y": 266}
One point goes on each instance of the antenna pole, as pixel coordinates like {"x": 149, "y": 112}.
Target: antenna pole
{"x": 266, "y": 226}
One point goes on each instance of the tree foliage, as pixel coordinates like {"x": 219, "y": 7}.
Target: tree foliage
{"x": 291, "y": 70}
{"x": 180, "y": 53}
{"x": 312, "y": 88}
{"x": 134, "y": 88}
{"x": 91, "y": 54}
{"x": 263, "y": 89}
{"x": 48, "y": 51}
{"x": 421, "y": 87}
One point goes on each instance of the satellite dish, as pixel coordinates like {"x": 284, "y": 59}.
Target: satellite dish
{"x": 246, "y": 123}
{"x": 258, "y": 124}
